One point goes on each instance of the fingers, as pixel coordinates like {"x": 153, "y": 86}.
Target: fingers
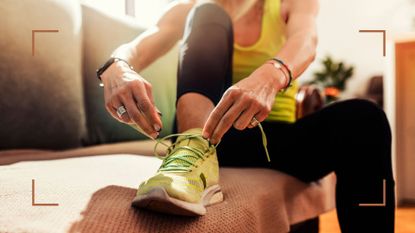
{"x": 227, "y": 121}
{"x": 134, "y": 93}
{"x": 262, "y": 113}
{"x": 137, "y": 116}
{"x": 257, "y": 110}
{"x": 259, "y": 116}
{"x": 245, "y": 119}
{"x": 145, "y": 103}
{"x": 112, "y": 104}
{"x": 235, "y": 108}
{"x": 218, "y": 112}
{"x": 116, "y": 104}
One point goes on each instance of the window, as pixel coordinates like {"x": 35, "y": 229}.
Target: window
{"x": 146, "y": 11}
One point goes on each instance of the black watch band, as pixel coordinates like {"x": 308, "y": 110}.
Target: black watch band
{"x": 107, "y": 64}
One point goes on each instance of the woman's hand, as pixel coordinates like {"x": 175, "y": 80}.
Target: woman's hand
{"x": 249, "y": 98}
{"x": 124, "y": 87}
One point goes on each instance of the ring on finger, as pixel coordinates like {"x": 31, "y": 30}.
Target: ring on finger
{"x": 254, "y": 122}
{"x": 121, "y": 110}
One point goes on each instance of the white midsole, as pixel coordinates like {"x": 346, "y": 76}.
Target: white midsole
{"x": 210, "y": 196}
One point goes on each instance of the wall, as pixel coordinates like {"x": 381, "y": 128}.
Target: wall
{"x": 339, "y": 23}
{"x": 146, "y": 12}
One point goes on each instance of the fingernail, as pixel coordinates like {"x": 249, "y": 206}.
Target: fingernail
{"x": 155, "y": 135}
{"x": 157, "y": 128}
{"x": 205, "y": 135}
{"x": 158, "y": 112}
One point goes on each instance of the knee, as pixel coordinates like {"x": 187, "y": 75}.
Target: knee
{"x": 210, "y": 13}
{"x": 366, "y": 129}
{"x": 365, "y": 109}
{"x": 367, "y": 117}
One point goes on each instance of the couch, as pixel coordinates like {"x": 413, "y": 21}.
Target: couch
{"x": 66, "y": 166}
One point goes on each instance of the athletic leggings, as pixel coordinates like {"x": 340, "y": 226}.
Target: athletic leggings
{"x": 351, "y": 138}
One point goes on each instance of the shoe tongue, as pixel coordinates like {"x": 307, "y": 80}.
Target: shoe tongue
{"x": 195, "y": 142}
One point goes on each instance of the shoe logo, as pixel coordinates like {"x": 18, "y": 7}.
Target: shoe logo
{"x": 203, "y": 178}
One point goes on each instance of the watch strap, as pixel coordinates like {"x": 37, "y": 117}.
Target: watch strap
{"x": 107, "y": 64}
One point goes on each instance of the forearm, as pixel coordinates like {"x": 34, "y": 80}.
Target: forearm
{"x": 145, "y": 49}
{"x": 299, "y": 51}
{"x": 157, "y": 40}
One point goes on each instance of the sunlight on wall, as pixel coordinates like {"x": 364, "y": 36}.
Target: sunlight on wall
{"x": 338, "y": 25}
{"x": 114, "y": 7}
{"x": 147, "y": 12}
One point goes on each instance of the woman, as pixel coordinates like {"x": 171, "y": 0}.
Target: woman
{"x": 238, "y": 63}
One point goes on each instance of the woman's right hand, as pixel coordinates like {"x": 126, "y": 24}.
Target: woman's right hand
{"x": 124, "y": 87}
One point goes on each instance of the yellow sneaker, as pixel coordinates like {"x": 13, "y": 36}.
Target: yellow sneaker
{"x": 187, "y": 180}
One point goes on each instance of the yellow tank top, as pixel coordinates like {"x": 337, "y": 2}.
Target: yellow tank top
{"x": 247, "y": 59}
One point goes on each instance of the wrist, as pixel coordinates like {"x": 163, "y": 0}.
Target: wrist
{"x": 280, "y": 64}
{"x": 114, "y": 70}
{"x": 277, "y": 76}
{"x": 122, "y": 65}
{"x": 110, "y": 63}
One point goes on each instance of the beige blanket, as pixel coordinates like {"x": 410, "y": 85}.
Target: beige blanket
{"x": 93, "y": 194}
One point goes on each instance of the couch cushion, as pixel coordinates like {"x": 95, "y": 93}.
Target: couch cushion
{"x": 94, "y": 195}
{"x": 102, "y": 35}
{"x": 41, "y": 99}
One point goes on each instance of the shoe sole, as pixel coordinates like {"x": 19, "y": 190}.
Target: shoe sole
{"x": 158, "y": 200}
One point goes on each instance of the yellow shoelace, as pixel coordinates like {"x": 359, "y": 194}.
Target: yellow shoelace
{"x": 181, "y": 161}
{"x": 264, "y": 141}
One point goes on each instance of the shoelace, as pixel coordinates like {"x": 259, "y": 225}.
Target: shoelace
{"x": 264, "y": 141}
{"x": 184, "y": 162}
{"x": 181, "y": 162}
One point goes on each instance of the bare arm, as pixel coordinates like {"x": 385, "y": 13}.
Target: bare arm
{"x": 158, "y": 39}
{"x": 301, "y": 33}
{"x": 125, "y": 87}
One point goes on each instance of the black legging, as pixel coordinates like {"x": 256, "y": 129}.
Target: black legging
{"x": 351, "y": 138}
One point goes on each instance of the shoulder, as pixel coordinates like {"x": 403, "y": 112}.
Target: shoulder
{"x": 176, "y": 12}
{"x": 179, "y": 6}
{"x": 289, "y": 7}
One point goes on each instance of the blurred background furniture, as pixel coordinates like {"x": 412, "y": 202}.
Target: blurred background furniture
{"x": 374, "y": 91}
{"x": 308, "y": 100}
{"x": 55, "y": 131}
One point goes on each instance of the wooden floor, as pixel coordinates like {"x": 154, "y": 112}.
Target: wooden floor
{"x": 404, "y": 223}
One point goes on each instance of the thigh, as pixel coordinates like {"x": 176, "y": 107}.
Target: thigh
{"x": 245, "y": 149}
{"x": 304, "y": 149}
{"x": 297, "y": 151}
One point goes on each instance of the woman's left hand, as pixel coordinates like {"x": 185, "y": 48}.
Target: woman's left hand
{"x": 249, "y": 98}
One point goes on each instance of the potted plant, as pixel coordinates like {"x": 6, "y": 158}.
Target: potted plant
{"x": 332, "y": 78}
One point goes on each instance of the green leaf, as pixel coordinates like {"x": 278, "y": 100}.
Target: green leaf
{"x": 333, "y": 73}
